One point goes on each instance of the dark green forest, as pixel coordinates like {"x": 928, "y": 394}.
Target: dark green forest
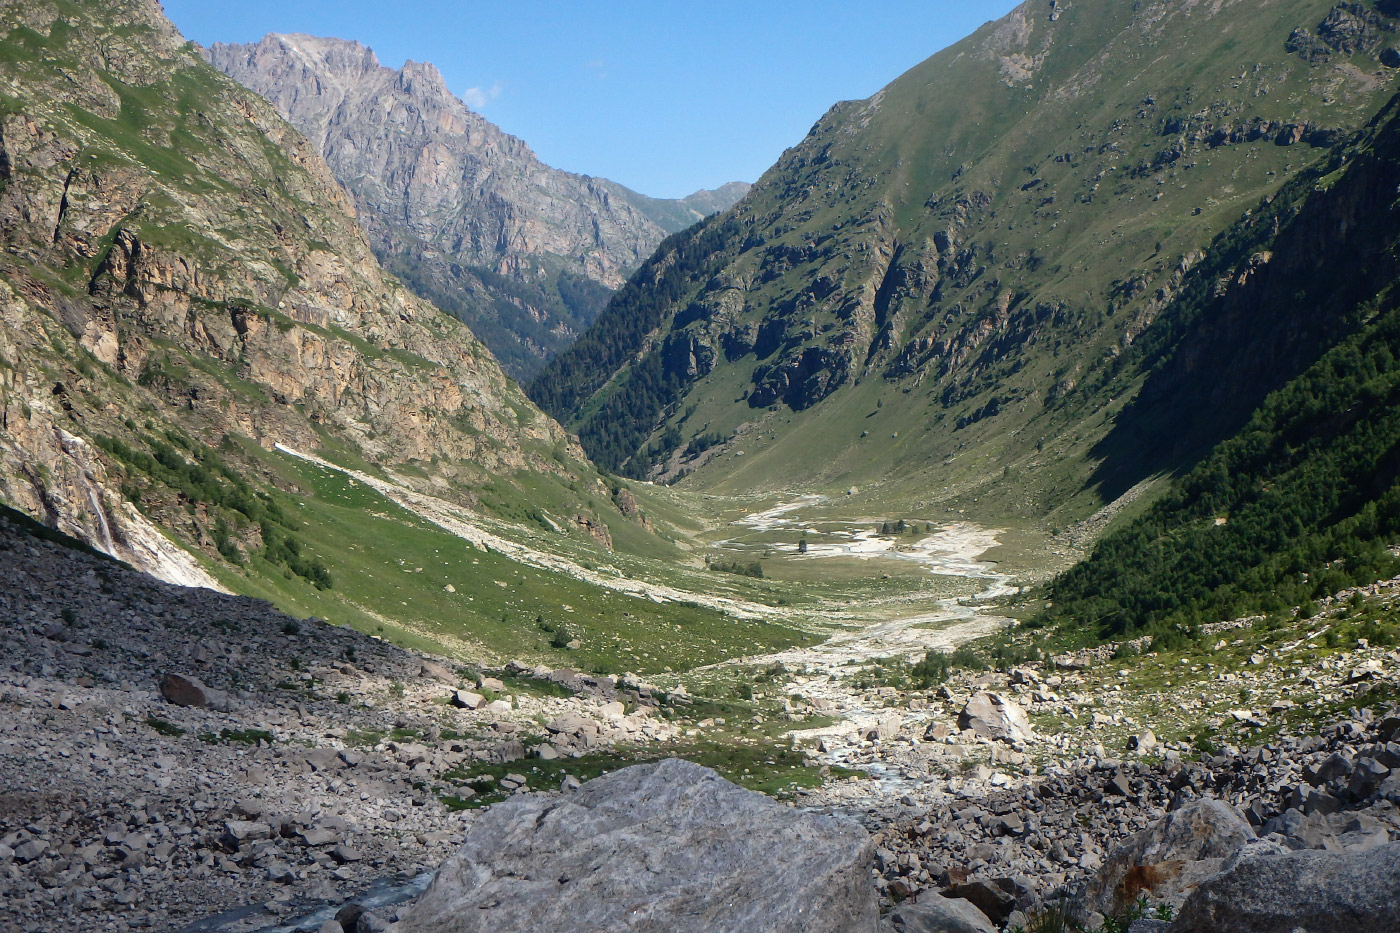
{"x": 1300, "y": 504}
{"x": 618, "y": 427}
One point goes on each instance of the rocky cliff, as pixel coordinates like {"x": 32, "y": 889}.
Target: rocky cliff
{"x": 456, "y": 205}
{"x": 182, "y": 282}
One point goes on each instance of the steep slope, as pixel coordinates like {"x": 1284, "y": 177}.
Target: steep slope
{"x": 523, "y": 253}
{"x": 1304, "y": 500}
{"x": 923, "y": 288}
{"x": 183, "y": 287}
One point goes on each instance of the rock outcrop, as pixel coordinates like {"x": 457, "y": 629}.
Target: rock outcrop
{"x": 457, "y": 202}
{"x": 667, "y": 847}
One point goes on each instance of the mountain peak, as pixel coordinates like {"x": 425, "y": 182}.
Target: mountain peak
{"x": 466, "y": 213}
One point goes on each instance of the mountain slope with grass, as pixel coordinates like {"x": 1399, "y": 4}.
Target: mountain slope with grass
{"x": 464, "y": 213}
{"x": 1303, "y": 501}
{"x": 942, "y": 285}
{"x": 185, "y": 296}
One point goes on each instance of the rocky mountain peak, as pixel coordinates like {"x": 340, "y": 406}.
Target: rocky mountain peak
{"x": 452, "y": 203}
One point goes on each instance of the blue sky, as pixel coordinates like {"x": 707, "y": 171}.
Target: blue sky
{"x": 663, "y": 97}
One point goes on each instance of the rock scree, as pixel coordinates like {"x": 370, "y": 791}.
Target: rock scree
{"x": 667, "y": 847}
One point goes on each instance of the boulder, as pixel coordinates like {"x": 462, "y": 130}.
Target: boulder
{"x": 184, "y": 690}
{"x": 934, "y": 913}
{"x": 465, "y": 699}
{"x": 436, "y": 671}
{"x": 1265, "y": 889}
{"x": 992, "y": 899}
{"x": 670, "y": 846}
{"x": 993, "y": 716}
{"x": 1168, "y": 859}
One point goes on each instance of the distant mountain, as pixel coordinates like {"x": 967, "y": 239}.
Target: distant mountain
{"x": 466, "y": 214}
{"x": 942, "y": 288}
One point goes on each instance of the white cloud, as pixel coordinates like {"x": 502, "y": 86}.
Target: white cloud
{"x": 479, "y": 98}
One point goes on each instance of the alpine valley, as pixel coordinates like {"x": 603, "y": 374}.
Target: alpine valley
{"x": 987, "y": 521}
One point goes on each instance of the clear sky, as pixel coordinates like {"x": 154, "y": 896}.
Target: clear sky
{"x": 665, "y": 97}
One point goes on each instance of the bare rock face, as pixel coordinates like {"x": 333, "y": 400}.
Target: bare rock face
{"x": 1265, "y": 889}
{"x": 994, "y": 716}
{"x": 444, "y": 190}
{"x": 667, "y": 847}
{"x": 1170, "y": 858}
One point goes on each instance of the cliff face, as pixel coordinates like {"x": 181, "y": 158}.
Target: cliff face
{"x": 179, "y": 267}
{"x": 456, "y": 205}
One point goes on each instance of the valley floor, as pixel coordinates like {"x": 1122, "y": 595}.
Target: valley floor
{"x": 310, "y": 763}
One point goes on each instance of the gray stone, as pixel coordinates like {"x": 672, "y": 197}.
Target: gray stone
{"x": 30, "y": 850}
{"x": 934, "y": 913}
{"x": 183, "y": 690}
{"x": 993, "y": 716}
{"x": 1168, "y": 859}
{"x": 436, "y": 671}
{"x": 670, "y": 846}
{"x": 990, "y": 898}
{"x": 344, "y": 854}
{"x": 465, "y": 699}
{"x": 318, "y": 836}
{"x": 244, "y": 830}
{"x": 1265, "y": 889}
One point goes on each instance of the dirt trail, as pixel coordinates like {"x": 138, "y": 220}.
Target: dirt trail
{"x": 458, "y": 521}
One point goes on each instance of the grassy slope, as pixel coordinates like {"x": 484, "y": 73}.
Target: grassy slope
{"x": 1302, "y": 501}
{"x": 1110, "y": 82}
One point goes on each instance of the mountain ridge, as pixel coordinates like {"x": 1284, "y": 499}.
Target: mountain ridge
{"x": 929, "y": 277}
{"x": 466, "y": 213}
{"x": 184, "y": 288}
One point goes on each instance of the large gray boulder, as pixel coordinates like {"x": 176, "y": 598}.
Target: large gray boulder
{"x": 1168, "y": 859}
{"x": 933, "y": 913}
{"x": 1267, "y": 889}
{"x": 664, "y": 848}
{"x": 994, "y": 716}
